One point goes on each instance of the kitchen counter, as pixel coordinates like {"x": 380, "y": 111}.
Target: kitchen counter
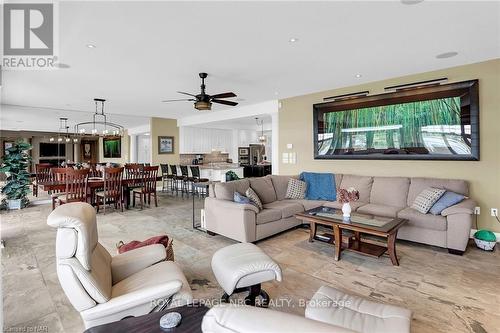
{"x": 217, "y": 171}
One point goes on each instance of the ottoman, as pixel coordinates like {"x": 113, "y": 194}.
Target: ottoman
{"x": 243, "y": 267}
{"x": 335, "y": 307}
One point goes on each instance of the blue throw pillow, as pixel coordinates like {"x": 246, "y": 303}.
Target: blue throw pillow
{"x": 447, "y": 200}
{"x": 320, "y": 186}
{"x": 240, "y": 198}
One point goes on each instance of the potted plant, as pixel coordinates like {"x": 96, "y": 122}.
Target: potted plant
{"x": 15, "y": 166}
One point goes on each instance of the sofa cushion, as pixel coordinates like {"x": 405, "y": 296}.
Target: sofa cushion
{"x": 225, "y": 191}
{"x": 264, "y": 188}
{"x": 308, "y": 204}
{"x": 427, "y": 221}
{"x": 268, "y": 215}
{"x": 280, "y": 184}
{"x": 390, "y": 191}
{"x": 379, "y": 210}
{"x": 361, "y": 183}
{"x": 337, "y": 205}
{"x": 417, "y": 185}
{"x": 287, "y": 208}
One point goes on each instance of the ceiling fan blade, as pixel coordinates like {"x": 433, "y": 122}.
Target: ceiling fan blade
{"x": 224, "y": 95}
{"x": 185, "y": 93}
{"x": 221, "y": 101}
{"x": 178, "y": 100}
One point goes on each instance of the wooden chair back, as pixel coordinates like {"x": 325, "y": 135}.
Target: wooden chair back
{"x": 58, "y": 175}
{"x": 113, "y": 182}
{"x": 134, "y": 172}
{"x": 150, "y": 175}
{"x": 42, "y": 172}
{"x": 94, "y": 172}
{"x": 76, "y": 184}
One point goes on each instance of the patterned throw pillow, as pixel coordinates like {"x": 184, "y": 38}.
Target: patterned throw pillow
{"x": 427, "y": 198}
{"x": 254, "y": 198}
{"x": 296, "y": 189}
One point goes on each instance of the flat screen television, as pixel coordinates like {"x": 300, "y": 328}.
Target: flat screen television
{"x": 432, "y": 123}
{"x": 52, "y": 149}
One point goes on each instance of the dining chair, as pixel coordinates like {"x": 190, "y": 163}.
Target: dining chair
{"x": 76, "y": 186}
{"x": 195, "y": 173}
{"x": 167, "y": 178}
{"x": 42, "y": 174}
{"x": 95, "y": 171}
{"x": 58, "y": 175}
{"x": 150, "y": 174}
{"x": 113, "y": 190}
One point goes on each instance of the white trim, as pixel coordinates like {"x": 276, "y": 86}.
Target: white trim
{"x": 497, "y": 234}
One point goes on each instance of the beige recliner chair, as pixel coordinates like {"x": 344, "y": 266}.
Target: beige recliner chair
{"x": 105, "y": 288}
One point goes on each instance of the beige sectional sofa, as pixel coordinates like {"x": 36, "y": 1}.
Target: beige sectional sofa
{"x": 381, "y": 196}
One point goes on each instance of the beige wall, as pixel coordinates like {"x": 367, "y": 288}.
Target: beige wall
{"x": 164, "y": 127}
{"x": 125, "y": 151}
{"x": 296, "y": 116}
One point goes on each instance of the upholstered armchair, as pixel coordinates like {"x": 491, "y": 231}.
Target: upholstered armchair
{"x": 105, "y": 288}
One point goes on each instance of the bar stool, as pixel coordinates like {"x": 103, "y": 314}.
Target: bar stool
{"x": 195, "y": 173}
{"x": 186, "y": 181}
{"x": 176, "y": 179}
{"x": 167, "y": 178}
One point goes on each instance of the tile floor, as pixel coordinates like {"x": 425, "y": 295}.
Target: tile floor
{"x": 446, "y": 293}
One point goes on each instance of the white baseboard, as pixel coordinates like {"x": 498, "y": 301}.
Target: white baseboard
{"x": 497, "y": 234}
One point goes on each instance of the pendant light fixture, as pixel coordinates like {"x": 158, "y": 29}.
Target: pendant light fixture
{"x": 99, "y": 126}
{"x": 63, "y": 135}
{"x": 262, "y": 137}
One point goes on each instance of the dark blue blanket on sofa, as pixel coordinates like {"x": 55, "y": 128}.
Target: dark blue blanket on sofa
{"x": 320, "y": 186}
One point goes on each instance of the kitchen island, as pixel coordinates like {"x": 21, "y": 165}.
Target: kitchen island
{"x": 217, "y": 171}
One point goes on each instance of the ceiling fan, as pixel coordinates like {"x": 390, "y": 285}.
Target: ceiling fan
{"x": 204, "y": 101}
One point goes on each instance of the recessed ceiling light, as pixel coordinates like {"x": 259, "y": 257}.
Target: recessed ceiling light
{"x": 91, "y": 46}
{"x": 446, "y": 55}
{"x": 358, "y": 76}
{"x": 411, "y": 2}
{"x": 276, "y": 93}
{"x": 293, "y": 40}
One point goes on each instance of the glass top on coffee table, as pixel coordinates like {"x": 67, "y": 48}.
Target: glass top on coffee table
{"x": 371, "y": 222}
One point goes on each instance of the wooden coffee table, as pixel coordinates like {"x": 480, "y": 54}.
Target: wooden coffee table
{"x": 359, "y": 224}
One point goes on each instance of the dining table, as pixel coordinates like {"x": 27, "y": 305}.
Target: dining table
{"x": 93, "y": 184}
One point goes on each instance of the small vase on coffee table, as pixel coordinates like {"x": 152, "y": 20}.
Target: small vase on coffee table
{"x": 346, "y": 210}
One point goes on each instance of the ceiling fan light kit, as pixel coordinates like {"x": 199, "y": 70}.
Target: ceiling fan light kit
{"x": 203, "y": 101}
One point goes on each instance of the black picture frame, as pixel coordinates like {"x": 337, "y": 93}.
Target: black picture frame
{"x": 466, "y": 88}
{"x": 112, "y": 147}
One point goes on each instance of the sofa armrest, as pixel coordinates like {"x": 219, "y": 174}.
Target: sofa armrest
{"x": 130, "y": 262}
{"x": 238, "y": 318}
{"x": 230, "y": 219}
{"x": 465, "y": 207}
{"x": 122, "y": 303}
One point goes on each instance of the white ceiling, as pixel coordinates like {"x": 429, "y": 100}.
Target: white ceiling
{"x": 146, "y": 51}
{"x": 17, "y": 118}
